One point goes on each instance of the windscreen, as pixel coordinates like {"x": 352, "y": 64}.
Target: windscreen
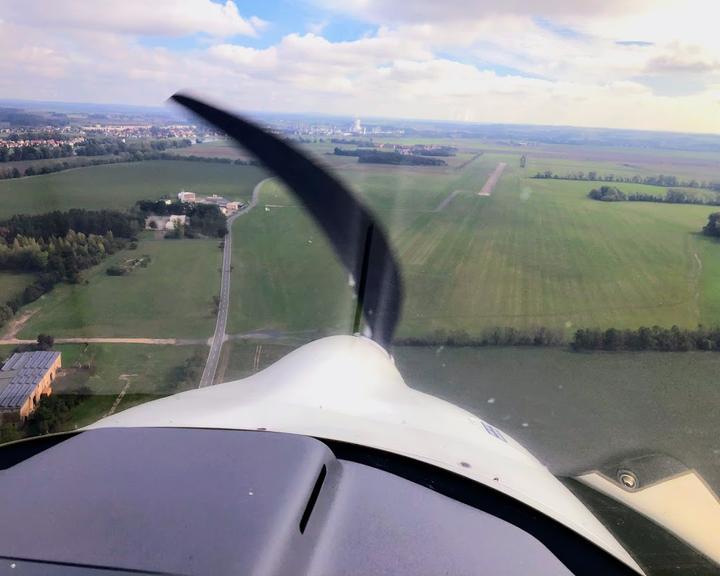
{"x": 546, "y": 177}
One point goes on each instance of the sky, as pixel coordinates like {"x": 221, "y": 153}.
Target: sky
{"x": 643, "y": 64}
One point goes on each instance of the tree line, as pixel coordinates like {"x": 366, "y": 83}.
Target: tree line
{"x": 499, "y": 336}
{"x": 79, "y": 220}
{"x": 673, "y": 339}
{"x": 90, "y": 147}
{"x": 672, "y": 196}
{"x": 378, "y": 157}
{"x": 661, "y": 180}
{"x": 15, "y": 172}
{"x": 656, "y": 338}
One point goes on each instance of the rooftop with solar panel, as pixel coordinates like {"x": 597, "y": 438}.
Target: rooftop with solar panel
{"x": 24, "y": 379}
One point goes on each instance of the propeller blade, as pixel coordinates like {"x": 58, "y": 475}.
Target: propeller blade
{"x": 358, "y": 241}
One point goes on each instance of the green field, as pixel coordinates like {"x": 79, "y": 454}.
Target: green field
{"x": 539, "y": 253}
{"x": 12, "y": 284}
{"x": 285, "y": 276}
{"x": 535, "y": 253}
{"x": 171, "y": 298}
{"x": 119, "y": 186}
{"x": 148, "y": 371}
{"x": 107, "y": 368}
{"x": 574, "y": 410}
{"x": 241, "y": 359}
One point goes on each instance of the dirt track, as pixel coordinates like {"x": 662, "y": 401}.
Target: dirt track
{"x": 489, "y": 185}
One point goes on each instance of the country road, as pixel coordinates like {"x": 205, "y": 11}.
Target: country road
{"x": 216, "y": 342}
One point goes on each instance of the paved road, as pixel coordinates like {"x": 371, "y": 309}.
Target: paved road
{"x": 216, "y": 342}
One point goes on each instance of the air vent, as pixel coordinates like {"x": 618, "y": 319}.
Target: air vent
{"x": 313, "y": 498}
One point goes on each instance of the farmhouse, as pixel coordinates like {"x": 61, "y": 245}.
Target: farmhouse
{"x": 226, "y": 206}
{"x": 186, "y": 196}
{"x": 24, "y": 379}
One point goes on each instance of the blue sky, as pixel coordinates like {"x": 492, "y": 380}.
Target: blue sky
{"x": 615, "y": 63}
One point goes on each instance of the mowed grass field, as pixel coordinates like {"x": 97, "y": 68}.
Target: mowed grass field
{"x": 540, "y": 253}
{"x": 106, "y": 369}
{"x": 12, "y": 284}
{"x": 285, "y": 276}
{"x": 171, "y": 298}
{"x": 119, "y": 186}
{"x": 575, "y": 411}
{"x": 535, "y": 253}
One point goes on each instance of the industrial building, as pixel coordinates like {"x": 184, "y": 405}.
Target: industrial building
{"x": 24, "y": 379}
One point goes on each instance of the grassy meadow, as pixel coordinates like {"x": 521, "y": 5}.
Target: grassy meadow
{"x": 12, "y": 284}
{"x": 576, "y": 410}
{"x": 119, "y": 186}
{"x": 171, "y": 298}
{"x": 535, "y": 253}
{"x": 106, "y": 369}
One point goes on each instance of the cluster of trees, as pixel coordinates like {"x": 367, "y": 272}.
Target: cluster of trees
{"x": 90, "y": 147}
{"x": 204, "y": 219}
{"x": 607, "y": 194}
{"x": 79, "y": 220}
{"x": 378, "y": 157}
{"x": 657, "y": 180}
{"x": 186, "y": 375}
{"x": 115, "y": 146}
{"x": 57, "y": 258}
{"x": 53, "y": 412}
{"x": 500, "y": 336}
{"x": 353, "y": 142}
{"x": 672, "y": 196}
{"x": 712, "y": 228}
{"x": 35, "y": 152}
{"x": 673, "y": 339}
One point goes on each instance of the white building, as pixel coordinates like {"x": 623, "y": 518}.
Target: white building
{"x": 186, "y": 196}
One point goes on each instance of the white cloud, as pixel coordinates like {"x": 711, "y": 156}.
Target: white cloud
{"x": 462, "y": 70}
{"x": 464, "y": 10}
{"x": 154, "y": 17}
{"x": 683, "y": 59}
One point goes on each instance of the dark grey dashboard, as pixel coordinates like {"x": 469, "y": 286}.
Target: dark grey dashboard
{"x": 184, "y": 501}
